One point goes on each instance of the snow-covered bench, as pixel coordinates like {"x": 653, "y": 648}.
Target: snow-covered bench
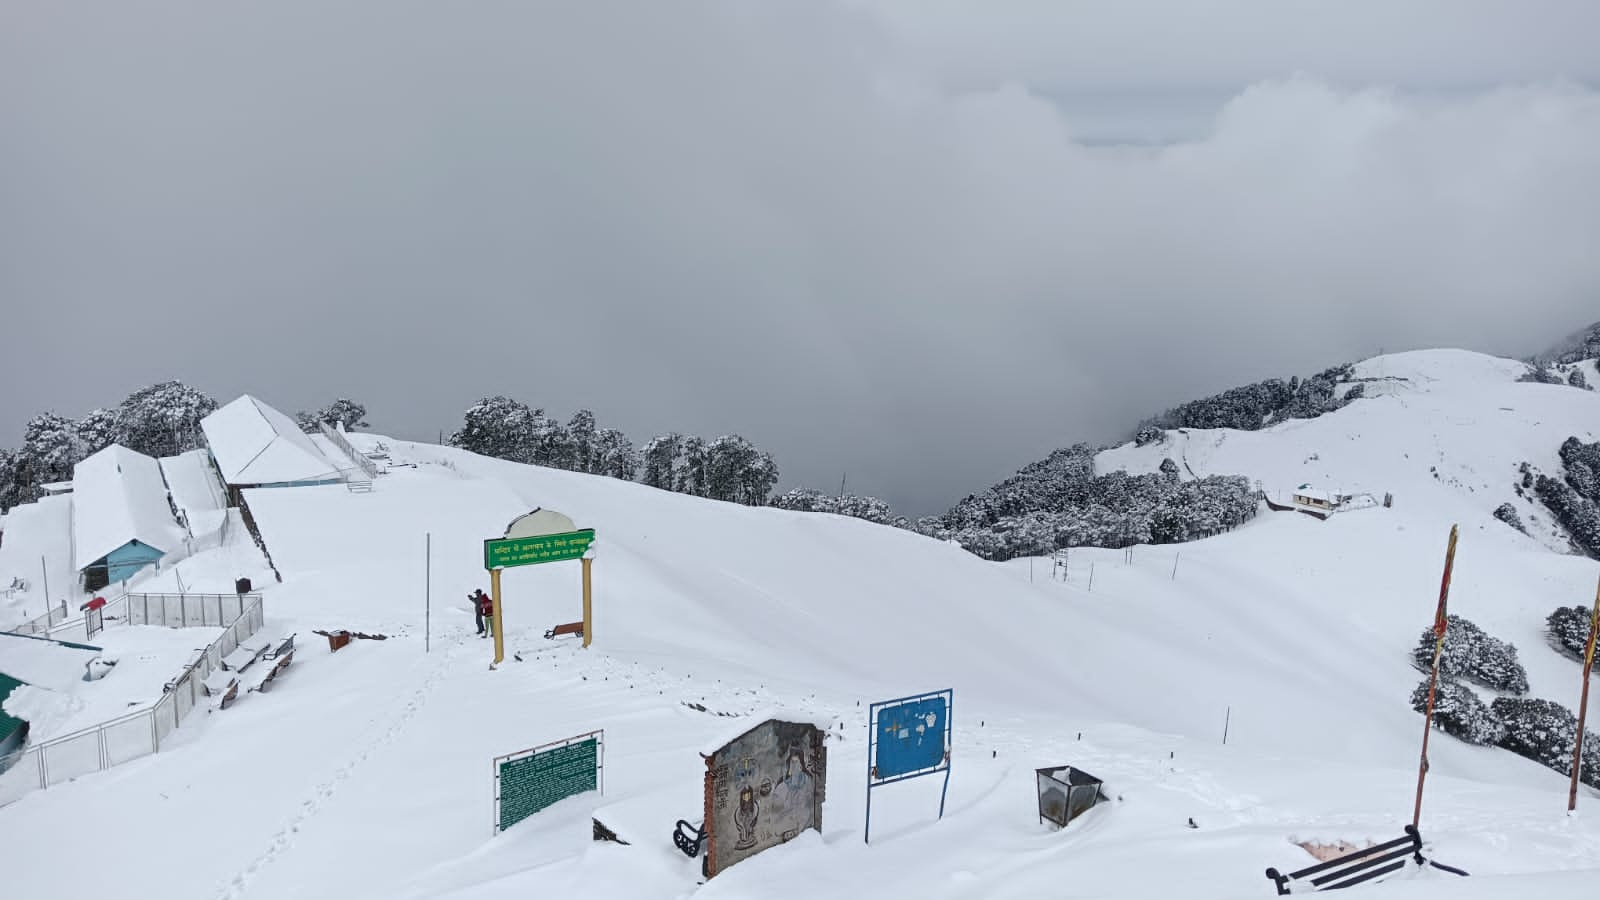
{"x": 222, "y": 687}
{"x": 280, "y": 656}
{"x": 1358, "y": 866}
{"x": 248, "y": 651}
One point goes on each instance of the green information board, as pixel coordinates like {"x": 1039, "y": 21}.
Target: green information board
{"x": 527, "y": 784}
{"x": 503, "y": 553}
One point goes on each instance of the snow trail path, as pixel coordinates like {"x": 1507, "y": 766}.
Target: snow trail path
{"x": 284, "y": 840}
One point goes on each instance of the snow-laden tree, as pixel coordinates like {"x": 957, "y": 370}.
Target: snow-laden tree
{"x": 1577, "y": 379}
{"x": 98, "y": 430}
{"x": 1459, "y": 712}
{"x": 499, "y": 427}
{"x": 661, "y": 459}
{"x": 614, "y": 455}
{"x": 51, "y": 446}
{"x": 1546, "y": 732}
{"x": 1473, "y": 654}
{"x": 1568, "y": 628}
{"x": 549, "y": 443}
{"x": 163, "y": 419}
{"x": 17, "y": 484}
{"x": 582, "y": 455}
{"x": 737, "y": 472}
{"x": 691, "y": 475}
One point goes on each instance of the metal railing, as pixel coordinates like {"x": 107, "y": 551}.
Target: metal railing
{"x": 338, "y": 439}
{"x": 54, "y": 617}
{"x": 133, "y": 735}
{"x": 187, "y": 610}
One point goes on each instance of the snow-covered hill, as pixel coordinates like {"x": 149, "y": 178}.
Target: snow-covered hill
{"x": 366, "y": 773}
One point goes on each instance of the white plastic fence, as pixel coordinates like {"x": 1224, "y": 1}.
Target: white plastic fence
{"x": 367, "y": 466}
{"x": 139, "y": 733}
{"x": 187, "y": 610}
{"x": 53, "y": 617}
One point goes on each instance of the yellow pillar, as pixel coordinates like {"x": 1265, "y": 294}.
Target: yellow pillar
{"x": 498, "y": 624}
{"x": 588, "y": 604}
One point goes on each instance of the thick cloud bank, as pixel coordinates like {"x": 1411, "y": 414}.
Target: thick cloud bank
{"x": 782, "y": 220}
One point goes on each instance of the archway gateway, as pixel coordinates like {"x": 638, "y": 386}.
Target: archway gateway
{"x": 541, "y": 536}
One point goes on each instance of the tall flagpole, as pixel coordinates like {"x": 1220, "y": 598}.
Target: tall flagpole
{"x": 1583, "y": 704}
{"x": 1440, "y": 624}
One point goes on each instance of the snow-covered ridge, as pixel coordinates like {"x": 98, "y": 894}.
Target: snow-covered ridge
{"x": 366, "y": 772}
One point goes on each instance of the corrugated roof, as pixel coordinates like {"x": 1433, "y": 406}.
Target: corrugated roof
{"x": 8, "y": 723}
{"x": 256, "y": 444}
{"x": 118, "y": 496}
{"x": 55, "y": 665}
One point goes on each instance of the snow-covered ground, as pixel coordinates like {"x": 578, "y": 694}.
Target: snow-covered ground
{"x": 366, "y": 773}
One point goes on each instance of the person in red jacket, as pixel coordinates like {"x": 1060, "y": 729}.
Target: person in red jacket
{"x": 485, "y": 614}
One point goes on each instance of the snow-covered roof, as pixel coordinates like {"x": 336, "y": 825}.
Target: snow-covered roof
{"x": 118, "y": 496}
{"x": 56, "y": 487}
{"x": 43, "y": 662}
{"x": 255, "y": 444}
{"x": 1311, "y": 493}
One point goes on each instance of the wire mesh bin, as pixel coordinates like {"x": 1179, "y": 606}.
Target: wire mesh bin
{"x": 1065, "y": 793}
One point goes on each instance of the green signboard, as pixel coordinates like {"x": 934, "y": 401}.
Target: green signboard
{"x": 527, "y": 784}
{"x": 503, "y": 553}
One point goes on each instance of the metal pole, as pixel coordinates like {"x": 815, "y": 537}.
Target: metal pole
{"x": 496, "y": 623}
{"x": 866, "y": 834}
{"x": 1175, "y": 558}
{"x": 1091, "y": 577}
{"x": 588, "y": 602}
{"x": 1583, "y": 704}
{"x": 427, "y": 597}
{"x": 1227, "y": 718}
{"x": 45, "y": 570}
{"x": 1440, "y": 624}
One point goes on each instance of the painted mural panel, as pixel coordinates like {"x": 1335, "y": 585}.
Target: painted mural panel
{"x": 762, "y": 789}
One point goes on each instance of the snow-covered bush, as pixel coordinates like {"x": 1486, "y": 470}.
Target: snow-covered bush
{"x": 1545, "y": 732}
{"x": 1576, "y": 379}
{"x": 1473, "y": 654}
{"x": 1577, "y": 514}
{"x": 1258, "y": 405}
{"x": 1568, "y": 628}
{"x": 1582, "y": 462}
{"x": 1459, "y": 712}
{"x": 1507, "y": 513}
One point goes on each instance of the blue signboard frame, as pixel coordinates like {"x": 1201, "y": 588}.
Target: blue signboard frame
{"x": 908, "y": 738}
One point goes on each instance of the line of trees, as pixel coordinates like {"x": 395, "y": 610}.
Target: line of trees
{"x": 159, "y": 420}
{"x": 1060, "y": 502}
{"x": 1574, "y": 500}
{"x": 342, "y": 412}
{"x": 726, "y": 468}
{"x": 1255, "y": 406}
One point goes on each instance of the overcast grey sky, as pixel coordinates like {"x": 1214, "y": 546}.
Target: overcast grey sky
{"x": 921, "y": 241}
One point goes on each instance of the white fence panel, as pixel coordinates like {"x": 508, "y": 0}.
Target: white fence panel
{"x": 71, "y": 757}
{"x": 165, "y": 713}
{"x": 130, "y": 738}
{"x": 24, "y": 776}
